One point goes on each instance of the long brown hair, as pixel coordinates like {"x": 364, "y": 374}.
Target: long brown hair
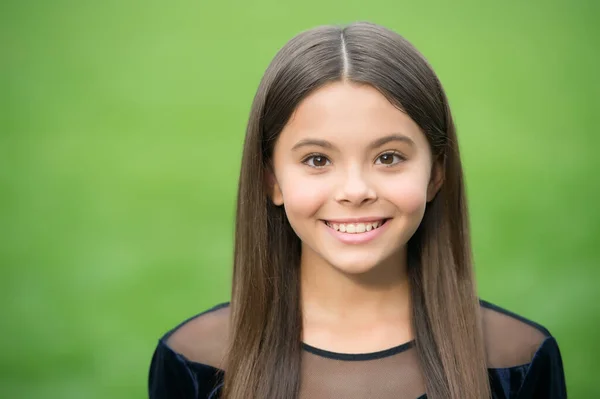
{"x": 265, "y": 343}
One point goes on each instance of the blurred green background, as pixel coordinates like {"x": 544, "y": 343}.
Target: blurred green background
{"x": 121, "y": 126}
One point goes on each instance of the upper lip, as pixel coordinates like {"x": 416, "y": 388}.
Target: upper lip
{"x": 356, "y": 220}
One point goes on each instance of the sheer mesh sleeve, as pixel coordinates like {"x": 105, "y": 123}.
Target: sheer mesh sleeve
{"x": 203, "y": 338}
{"x": 523, "y": 358}
{"x": 510, "y": 339}
{"x": 186, "y": 362}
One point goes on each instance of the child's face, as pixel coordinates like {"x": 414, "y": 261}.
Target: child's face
{"x": 346, "y": 162}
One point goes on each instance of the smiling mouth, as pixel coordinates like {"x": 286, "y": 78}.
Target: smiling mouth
{"x": 355, "y": 228}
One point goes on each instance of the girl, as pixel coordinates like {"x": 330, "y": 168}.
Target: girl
{"x": 352, "y": 273}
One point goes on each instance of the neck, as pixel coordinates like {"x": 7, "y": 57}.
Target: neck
{"x": 330, "y": 296}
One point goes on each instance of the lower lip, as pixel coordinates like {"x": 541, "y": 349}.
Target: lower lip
{"x": 357, "y": 238}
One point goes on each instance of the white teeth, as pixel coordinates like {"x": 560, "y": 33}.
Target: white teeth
{"x": 354, "y": 228}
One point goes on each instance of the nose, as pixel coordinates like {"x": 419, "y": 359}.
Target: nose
{"x": 355, "y": 188}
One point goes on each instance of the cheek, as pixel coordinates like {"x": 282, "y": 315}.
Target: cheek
{"x": 305, "y": 196}
{"x": 408, "y": 193}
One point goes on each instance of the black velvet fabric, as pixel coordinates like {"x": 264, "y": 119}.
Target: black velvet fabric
{"x": 173, "y": 376}
{"x": 543, "y": 378}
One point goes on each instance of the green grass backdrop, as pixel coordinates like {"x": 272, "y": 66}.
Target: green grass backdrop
{"x": 121, "y": 126}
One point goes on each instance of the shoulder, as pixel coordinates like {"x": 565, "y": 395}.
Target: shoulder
{"x": 187, "y": 361}
{"x": 523, "y": 358}
{"x": 510, "y": 339}
{"x": 201, "y": 338}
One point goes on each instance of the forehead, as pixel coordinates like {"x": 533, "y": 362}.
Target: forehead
{"x": 350, "y": 114}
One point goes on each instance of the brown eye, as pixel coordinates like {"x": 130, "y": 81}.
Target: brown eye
{"x": 317, "y": 161}
{"x": 389, "y": 158}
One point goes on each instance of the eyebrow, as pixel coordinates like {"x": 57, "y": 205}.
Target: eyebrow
{"x": 375, "y": 144}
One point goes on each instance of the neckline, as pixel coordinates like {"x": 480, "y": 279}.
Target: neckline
{"x": 358, "y": 356}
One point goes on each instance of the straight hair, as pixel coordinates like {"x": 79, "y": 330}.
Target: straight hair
{"x": 264, "y": 355}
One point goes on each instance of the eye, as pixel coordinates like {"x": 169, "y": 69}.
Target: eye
{"x": 389, "y": 159}
{"x": 316, "y": 161}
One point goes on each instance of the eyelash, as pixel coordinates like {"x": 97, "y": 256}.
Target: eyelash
{"x": 316, "y": 155}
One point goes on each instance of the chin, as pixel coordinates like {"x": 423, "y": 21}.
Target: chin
{"x": 353, "y": 266}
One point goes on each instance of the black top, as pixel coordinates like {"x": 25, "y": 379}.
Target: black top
{"x": 523, "y": 362}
